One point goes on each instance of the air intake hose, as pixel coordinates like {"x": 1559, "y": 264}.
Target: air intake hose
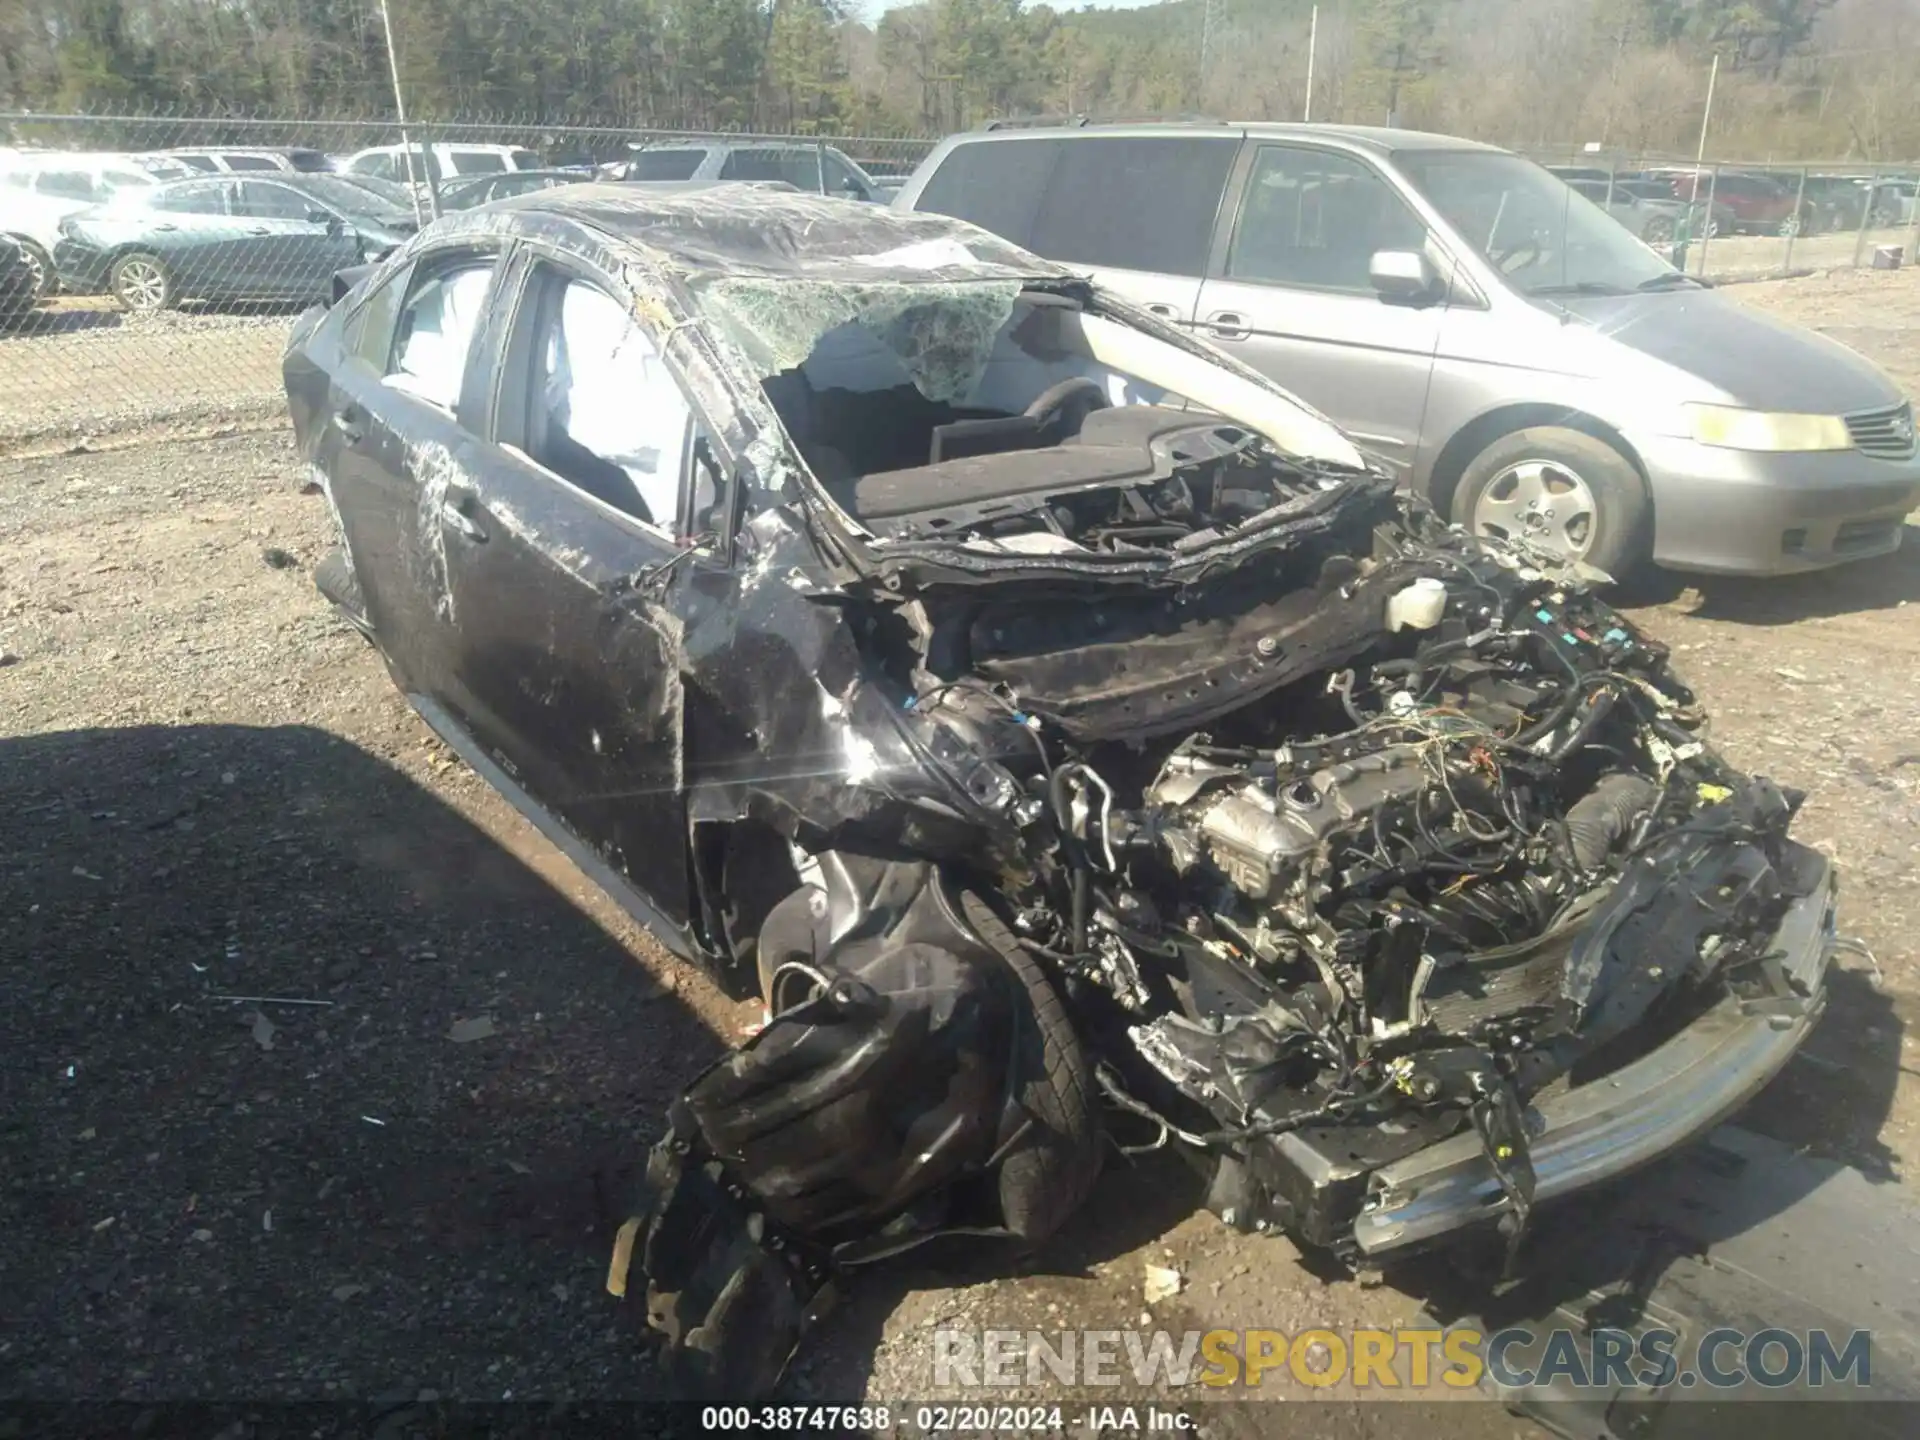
{"x": 1604, "y": 815}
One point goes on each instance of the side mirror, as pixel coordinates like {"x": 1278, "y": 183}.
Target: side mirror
{"x": 1403, "y": 276}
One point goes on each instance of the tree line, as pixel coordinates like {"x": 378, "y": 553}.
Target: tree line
{"x": 1825, "y": 78}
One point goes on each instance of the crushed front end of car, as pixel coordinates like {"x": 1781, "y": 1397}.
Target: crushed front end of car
{"x": 1192, "y": 787}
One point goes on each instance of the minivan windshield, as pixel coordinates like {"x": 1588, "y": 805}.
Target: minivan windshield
{"x": 1541, "y": 235}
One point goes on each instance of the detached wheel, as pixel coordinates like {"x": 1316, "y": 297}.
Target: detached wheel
{"x": 141, "y": 283}
{"x": 1562, "y": 490}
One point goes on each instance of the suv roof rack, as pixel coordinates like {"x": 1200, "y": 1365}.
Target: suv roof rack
{"x": 1081, "y": 122}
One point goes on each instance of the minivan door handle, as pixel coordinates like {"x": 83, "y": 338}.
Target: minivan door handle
{"x": 1227, "y": 325}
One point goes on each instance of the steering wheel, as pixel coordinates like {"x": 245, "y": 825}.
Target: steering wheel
{"x": 1529, "y": 248}
{"x": 1050, "y": 405}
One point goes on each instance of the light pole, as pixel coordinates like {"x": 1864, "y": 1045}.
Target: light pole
{"x": 406, "y": 140}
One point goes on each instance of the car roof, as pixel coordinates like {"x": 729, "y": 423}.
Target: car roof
{"x": 726, "y": 228}
{"x": 1380, "y": 139}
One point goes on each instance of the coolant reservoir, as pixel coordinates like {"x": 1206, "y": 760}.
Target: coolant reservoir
{"x": 1419, "y": 606}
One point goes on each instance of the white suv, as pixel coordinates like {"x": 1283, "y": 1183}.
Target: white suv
{"x": 40, "y": 188}
{"x": 438, "y": 162}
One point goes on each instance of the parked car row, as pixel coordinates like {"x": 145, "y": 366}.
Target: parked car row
{"x": 1749, "y": 202}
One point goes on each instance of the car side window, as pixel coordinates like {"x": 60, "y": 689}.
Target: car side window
{"x": 380, "y": 167}
{"x": 664, "y": 164}
{"x": 368, "y": 337}
{"x": 250, "y": 162}
{"x": 1135, "y": 203}
{"x": 996, "y": 184}
{"x": 265, "y": 201}
{"x": 477, "y": 162}
{"x": 799, "y": 168}
{"x": 68, "y": 184}
{"x": 203, "y": 163}
{"x": 605, "y": 413}
{"x": 435, "y": 328}
{"x": 1315, "y": 219}
{"x": 843, "y": 179}
{"x": 204, "y": 197}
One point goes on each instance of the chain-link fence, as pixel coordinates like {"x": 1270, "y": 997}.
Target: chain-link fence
{"x": 1738, "y": 220}
{"x": 152, "y": 264}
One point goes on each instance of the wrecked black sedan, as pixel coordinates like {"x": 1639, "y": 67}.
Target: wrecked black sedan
{"x": 1072, "y": 738}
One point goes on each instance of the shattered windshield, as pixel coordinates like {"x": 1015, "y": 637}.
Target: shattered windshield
{"x": 940, "y": 334}
{"x": 1531, "y": 226}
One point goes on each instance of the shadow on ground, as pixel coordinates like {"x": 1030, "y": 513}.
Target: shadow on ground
{"x": 222, "y": 1200}
{"x": 1882, "y": 583}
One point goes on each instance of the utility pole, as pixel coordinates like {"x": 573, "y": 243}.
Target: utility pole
{"x": 1700, "y": 155}
{"x": 1313, "y": 43}
{"x": 1206, "y": 54}
{"x": 400, "y": 109}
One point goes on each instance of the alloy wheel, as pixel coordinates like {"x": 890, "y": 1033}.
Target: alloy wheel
{"x": 141, "y": 284}
{"x": 1539, "y": 501}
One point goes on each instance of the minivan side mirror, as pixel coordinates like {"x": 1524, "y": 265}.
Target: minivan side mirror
{"x": 1403, "y": 276}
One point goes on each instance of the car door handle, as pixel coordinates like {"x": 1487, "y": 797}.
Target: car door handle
{"x": 261, "y": 230}
{"x": 1165, "y": 312}
{"x": 347, "y": 422}
{"x": 168, "y": 226}
{"x": 1227, "y": 325}
{"x": 454, "y": 515}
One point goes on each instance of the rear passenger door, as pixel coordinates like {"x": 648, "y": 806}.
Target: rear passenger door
{"x": 399, "y": 441}
{"x": 1290, "y": 293}
{"x": 1136, "y": 211}
{"x": 290, "y": 254}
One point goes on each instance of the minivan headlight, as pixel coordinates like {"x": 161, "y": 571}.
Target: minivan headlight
{"x": 1735, "y": 429}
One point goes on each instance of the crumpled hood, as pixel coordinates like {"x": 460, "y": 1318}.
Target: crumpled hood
{"x": 1750, "y": 358}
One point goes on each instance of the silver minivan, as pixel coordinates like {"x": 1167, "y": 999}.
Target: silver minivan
{"x": 1482, "y": 330}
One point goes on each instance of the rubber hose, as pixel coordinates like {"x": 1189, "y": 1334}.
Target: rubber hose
{"x": 1604, "y": 815}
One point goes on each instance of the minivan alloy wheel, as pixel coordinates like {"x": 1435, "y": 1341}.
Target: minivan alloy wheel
{"x": 1541, "y": 501}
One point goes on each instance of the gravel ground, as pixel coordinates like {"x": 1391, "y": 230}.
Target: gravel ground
{"x": 214, "y": 790}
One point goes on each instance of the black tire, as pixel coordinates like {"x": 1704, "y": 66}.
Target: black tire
{"x": 1049, "y": 1172}
{"x": 1658, "y": 231}
{"x": 142, "y": 283}
{"x": 41, "y": 263}
{"x": 1619, "y": 539}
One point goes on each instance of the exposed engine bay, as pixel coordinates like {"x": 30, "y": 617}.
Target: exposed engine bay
{"x": 1216, "y": 800}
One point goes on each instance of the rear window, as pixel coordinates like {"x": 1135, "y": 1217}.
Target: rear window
{"x": 478, "y": 162}
{"x": 1122, "y": 202}
{"x": 664, "y": 164}
{"x": 308, "y": 162}
{"x": 525, "y": 160}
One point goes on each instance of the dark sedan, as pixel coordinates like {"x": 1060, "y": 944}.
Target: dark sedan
{"x": 1073, "y": 740}
{"x": 19, "y": 283}
{"x": 227, "y": 239}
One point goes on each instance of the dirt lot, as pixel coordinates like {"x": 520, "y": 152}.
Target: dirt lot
{"x": 212, "y": 790}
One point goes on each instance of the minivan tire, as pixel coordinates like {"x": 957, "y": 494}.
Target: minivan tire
{"x": 1619, "y": 530}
